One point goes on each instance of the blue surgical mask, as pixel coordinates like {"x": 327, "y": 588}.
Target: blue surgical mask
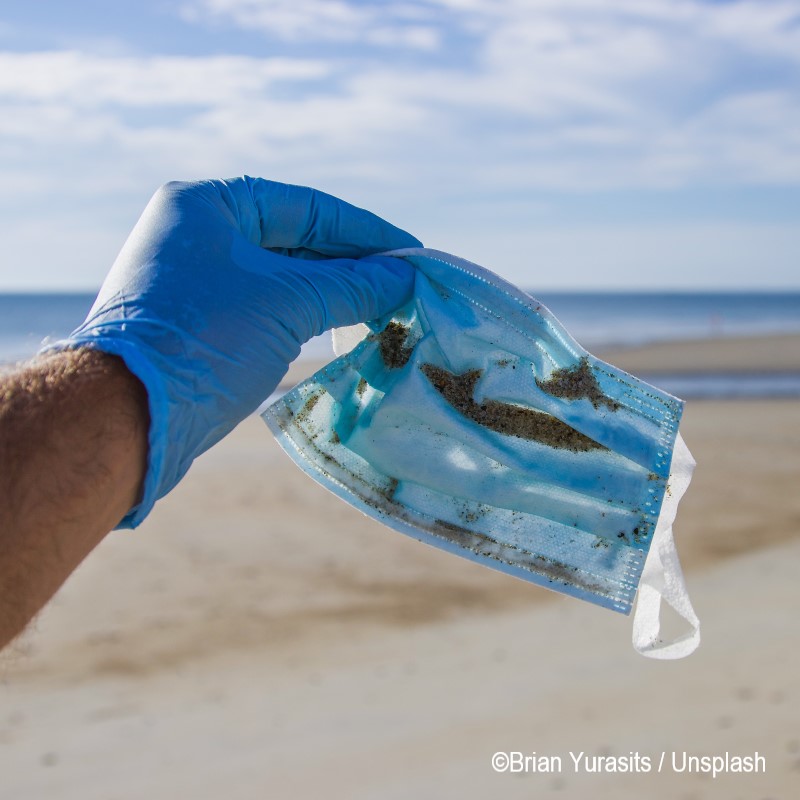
{"x": 471, "y": 420}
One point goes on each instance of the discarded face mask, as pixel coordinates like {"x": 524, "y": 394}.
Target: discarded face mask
{"x": 471, "y": 420}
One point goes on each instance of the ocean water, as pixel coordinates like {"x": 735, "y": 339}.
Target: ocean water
{"x": 594, "y": 319}
{"x": 28, "y": 320}
{"x": 641, "y": 318}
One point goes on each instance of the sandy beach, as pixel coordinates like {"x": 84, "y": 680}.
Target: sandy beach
{"x": 257, "y": 637}
{"x": 776, "y": 353}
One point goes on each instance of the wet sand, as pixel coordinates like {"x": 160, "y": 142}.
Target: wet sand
{"x": 258, "y": 637}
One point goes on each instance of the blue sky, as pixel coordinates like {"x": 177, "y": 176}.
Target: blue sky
{"x": 576, "y": 144}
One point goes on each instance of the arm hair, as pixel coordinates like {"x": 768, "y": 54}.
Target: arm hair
{"x": 73, "y": 453}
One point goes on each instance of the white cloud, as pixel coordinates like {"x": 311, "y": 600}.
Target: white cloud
{"x": 92, "y": 80}
{"x": 574, "y": 94}
{"x": 287, "y": 20}
{"x": 118, "y": 123}
{"x": 746, "y": 138}
{"x": 324, "y": 20}
{"x": 450, "y": 99}
{"x": 609, "y": 94}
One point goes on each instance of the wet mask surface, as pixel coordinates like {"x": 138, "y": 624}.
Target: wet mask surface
{"x": 472, "y": 421}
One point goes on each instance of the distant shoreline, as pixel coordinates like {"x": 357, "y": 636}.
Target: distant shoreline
{"x": 735, "y": 354}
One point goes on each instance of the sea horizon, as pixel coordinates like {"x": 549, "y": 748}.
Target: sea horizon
{"x": 596, "y": 319}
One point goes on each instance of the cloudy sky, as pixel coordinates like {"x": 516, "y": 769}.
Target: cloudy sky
{"x": 563, "y": 143}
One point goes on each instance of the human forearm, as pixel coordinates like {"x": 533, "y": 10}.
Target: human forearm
{"x": 73, "y": 449}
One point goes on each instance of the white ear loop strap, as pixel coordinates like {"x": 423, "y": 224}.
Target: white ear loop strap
{"x": 662, "y": 578}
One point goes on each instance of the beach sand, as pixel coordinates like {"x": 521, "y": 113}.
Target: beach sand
{"x": 258, "y": 637}
{"x": 776, "y": 353}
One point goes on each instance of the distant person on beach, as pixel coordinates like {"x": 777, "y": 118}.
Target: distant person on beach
{"x": 216, "y": 289}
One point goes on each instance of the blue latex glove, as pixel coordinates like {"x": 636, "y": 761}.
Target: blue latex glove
{"x": 215, "y": 290}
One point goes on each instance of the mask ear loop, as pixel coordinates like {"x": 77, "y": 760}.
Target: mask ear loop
{"x": 662, "y": 577}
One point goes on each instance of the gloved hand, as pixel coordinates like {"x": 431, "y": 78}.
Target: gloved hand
{"x": 218, "y": 285}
